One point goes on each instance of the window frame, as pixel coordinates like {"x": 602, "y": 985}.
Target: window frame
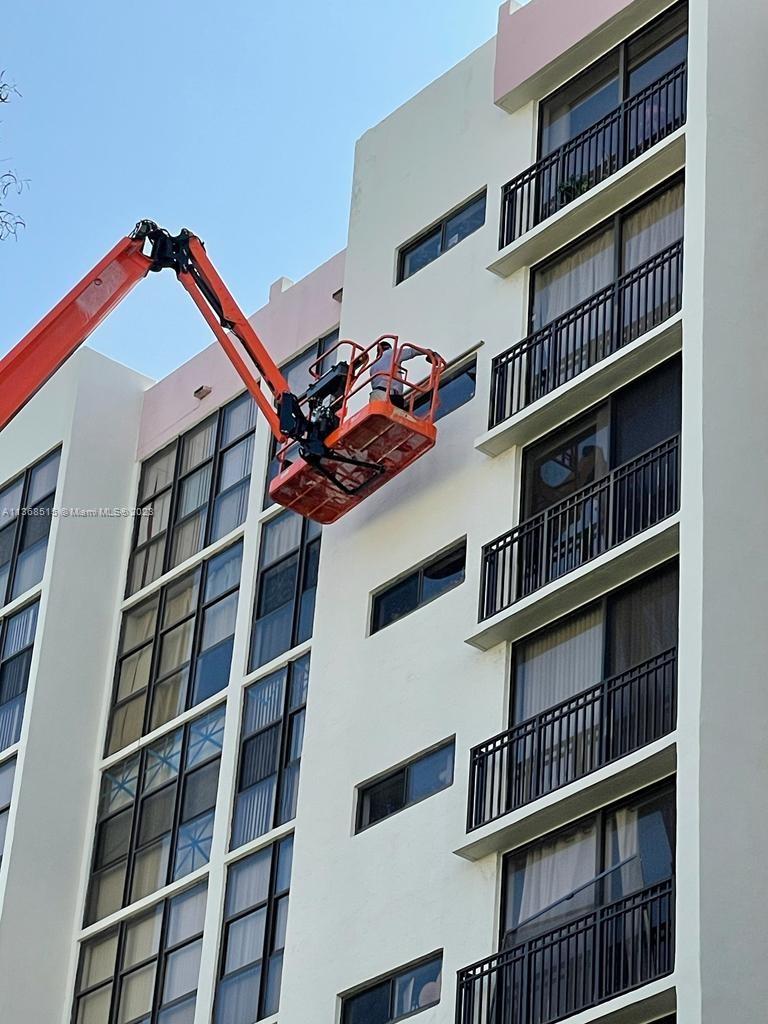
{"x": 135, "y": 847}
{"x": 160, "y": 958}
{"x": 4, "y": 620}
{"x": 274, "y": 896}
{"x": 451, "y": 373}
{"x": 417, "y": 571}
{"x": 391, "y": 773}
{"x": 390, "y": 978}
{"x": 614, "y": 222}
{"x": 607, "y": 408}
{"x": 197, "y": 617}
{"x": 600, "y": 817}
{"x": 621, "y": 50}
{"x": 174, "y": 488}
{"x": 19, "y": 524}
{"x": 5, "y": 809}
{"x": 284, "y": 725}
{"x": 440, "y": 226}
{"x": 605, "y": 602}
{"x": 311, "y": 533}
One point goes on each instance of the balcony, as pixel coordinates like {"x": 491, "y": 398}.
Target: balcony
{"x": 604, "y": 953}
{"x": 572, "y": 739}
{"x": 622, "y": 136}
{"x": 631, "y": 499}
{"x": 587, "y": 334}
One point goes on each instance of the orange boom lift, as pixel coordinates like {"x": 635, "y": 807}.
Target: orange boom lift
{"x": 334, "y": 449}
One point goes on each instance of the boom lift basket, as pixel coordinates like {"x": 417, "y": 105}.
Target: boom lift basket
{"x": 372, "y": 443}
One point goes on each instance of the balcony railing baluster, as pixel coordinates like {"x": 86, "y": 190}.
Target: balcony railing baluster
{"x": 595, "y": 154}
{"x": 630, "y": 499}
{"x": 618, "y": 314}
{"x": 572, "y": 739}
{"x": 595, "y": 957}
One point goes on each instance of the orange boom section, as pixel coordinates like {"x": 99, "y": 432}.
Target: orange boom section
{"x": 371, "y": 444}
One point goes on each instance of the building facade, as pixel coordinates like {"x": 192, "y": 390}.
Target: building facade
{"x": 490, "y": 749}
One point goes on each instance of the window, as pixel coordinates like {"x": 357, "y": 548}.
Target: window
{"x": 443, "y": 236}
{"x": 7, "y": 771}
{"x": 146, "y": 968}
{"x": 289, "y": 554}
{"x": 626, "y": 628}
{"x": 296, "y": 373}
{"x": 270, "y": 753}
{"x": 155, "y": 815}
{"x": 404, "y": 993}
{"x": 635, "y": 419}
{"x": 255, "y": 918}
{"x": 605, "y": 857}
{"x": 17, "y": 637}
{"x": 193, "y": 492}
{"x": 175, "y": 648}
{"x": 434, "y": 578}
{"x": 25, "y": 522}
{"x": 635, "y": 64}
{"x": 456, "y": 388}
{"x": 422, "y": 777}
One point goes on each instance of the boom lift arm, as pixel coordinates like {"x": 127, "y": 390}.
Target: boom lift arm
{"x": 336, "y": 466}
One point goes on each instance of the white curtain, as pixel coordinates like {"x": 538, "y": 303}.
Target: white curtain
{"x": 653, "y": 227}
{"x": 572, "y": 279}
{"x": 625, "y": 823}
{"x": 552, "y": 870}
{"x": 559, "y": 664}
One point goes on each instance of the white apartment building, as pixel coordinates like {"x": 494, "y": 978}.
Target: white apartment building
{"x": 492, "y": 748}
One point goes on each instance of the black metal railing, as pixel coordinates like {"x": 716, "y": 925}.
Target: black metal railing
{"x": 618, "y": 314}
{"x": 593, "y": 155}
{"x": 630, "y": 499}
{"x": 595, "y": 957}
{"x": 573, "y": 738}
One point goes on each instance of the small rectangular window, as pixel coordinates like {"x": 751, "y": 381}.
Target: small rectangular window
{"x": 402, "y": 994}
{"x": 7, "y": 770}
{"x": 431, "y": 580}
{"x": 17, "y": 637}
{"x": 456, "y": 388}
{"x": 420, "y": 778}
{"x": 443, "y": 236}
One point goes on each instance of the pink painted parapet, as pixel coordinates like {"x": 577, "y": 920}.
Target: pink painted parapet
{"x": 295, "y": 315}
{"x": 530, "y": 38}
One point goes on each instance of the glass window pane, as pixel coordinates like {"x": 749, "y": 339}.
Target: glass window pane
{"x": 6, "y": 782}
{"x": 212, "y": 670}
{"x": 657, "y": 50}
{"x": 248, "y": 882}
{"x": 219, "y": 621}
{"x": 106, "y": 894}
{"x": 272, "y": 987}
{"x": 118, "y": 786}
{"x": 418, "y": 988}
{"x": 647, "y": 412}
{"x": 20, "y": 630}
{"x": 187, "y": 915}
{"x": 139, "y": 624}
{"x": 396, "y": 601}
{"x": 443, "y": 575}
{"x": 236, "y": 463}
{"x": 112, "y": 839}
{"x": 299, "y": 682}
{"x": 245, "y": 940}
{"x": 176, "y": 647}
{"x": 180, "y": 599}
{"x": 136, "y": 994}
{"x": 188, "y": 538}
{"x": 239, "y": 418}
{"x": 570, "y": 279}
{"x": 97, "y": 961}
{"x": 146, "y": 565}
{"x": 371, "y": 1007}
{"x": 583, "y": 101}
{"x": 223, "y": 572}
{"x": 10, "y": 501}
{"x": 200, "y": 789}
{"x": 206, "y": 736}
{"x": 382, "y": 799}
{"x": 456, "y": 389}
{"x": 198, "y": 444}
{"x": 421, "y": 253}
{"x": 127, "y": 724}
{"x": 142, "y": 937}
{"x": 651, "y": 228}
{"x": 560, "y": 465}
{"x": 194, "y": 492}
{"x": 157, "y": 472}
{"x": 42, "y": 480}
{"x": 238, "y": 996}
{"x": 169, "y": 698}
{"x": 643, "y": 620}
{"x": 640, "y": 843}
{"x": 162, "y": 761}
{"x": 181, "y": 971}
{"x": 94, "y": 1008}
{"x": 264, "y": 702}
{"x": 284, "y": 865}
{"x": 259, "y": 757}
{"x": 463, "y": 223}
{"x": 254, "y": 811}
{"x": 150, "y": 869}
{"x": 154, "y": 518}
{"x": 133, "y": 675}
{"x": 430, "y": 774}
{"x": 193, "y": 848}
{"x": 179, "y": 1013}
{"x": 281, "y": 923}
{"x": 280, "y": 536}
{"x": 157, "y": 814}
{"x": 230, "y": 510}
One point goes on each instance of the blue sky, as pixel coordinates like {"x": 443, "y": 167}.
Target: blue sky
{"x": 236, "y": 119}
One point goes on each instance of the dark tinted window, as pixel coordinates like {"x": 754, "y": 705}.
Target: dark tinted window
{"x": 26, "y": 504}
{"x": 401, "y": 995}
{"x": 420, "y": 778}
{"x": 441, "y": 237}
{"x": 430, "y": 581}
{"x": 17, "y": 637}
{"x": 456, "y": 388}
